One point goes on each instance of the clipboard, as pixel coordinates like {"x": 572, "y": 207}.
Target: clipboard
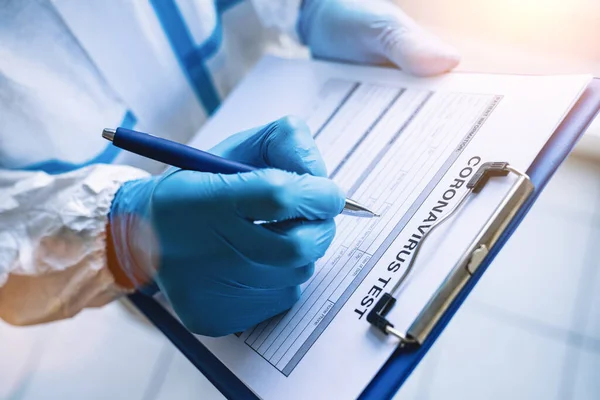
{"x": 415, "y": 343}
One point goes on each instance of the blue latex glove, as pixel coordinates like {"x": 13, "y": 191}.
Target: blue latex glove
{"x": 221, "y": 272}
{"x": 372, "y": 32}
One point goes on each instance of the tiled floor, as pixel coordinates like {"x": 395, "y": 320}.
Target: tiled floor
{"x": 530, "y": 329}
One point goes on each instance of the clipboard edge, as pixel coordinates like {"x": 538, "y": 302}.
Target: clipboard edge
{"x": 393, "y": 374}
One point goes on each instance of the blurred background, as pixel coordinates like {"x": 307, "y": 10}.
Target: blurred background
{"x": 531, "y": 328}
{"x": 519, "y": 36}
{"x": 527, "y": 36}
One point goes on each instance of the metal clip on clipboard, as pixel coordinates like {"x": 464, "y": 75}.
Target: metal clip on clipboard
{"x": 468, "y": 263}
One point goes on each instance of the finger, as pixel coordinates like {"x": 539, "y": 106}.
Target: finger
{"x": 223, "y": 309}
{"x": 273, "y": 277}
{"x": 275, "y": 195}
{"x": 262, "y": 305}
{"x": 229, "y": 205}
{"x": 415, "y": 50}
{"x": 308, "y": 240}
{"x": 284, "y": 144}
{"x": 291, "y": 247}
{"x": 289, "y": 145}
{"x": 261, "y": 195}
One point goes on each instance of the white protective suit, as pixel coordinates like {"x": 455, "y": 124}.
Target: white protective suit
{"x": 68, "y": 69}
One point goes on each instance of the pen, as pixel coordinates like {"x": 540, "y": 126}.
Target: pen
{"x": 186, "y": 157}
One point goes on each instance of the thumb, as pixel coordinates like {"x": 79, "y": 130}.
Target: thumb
{"x": 414, "y": 49}
{"x": 285, "y": 144}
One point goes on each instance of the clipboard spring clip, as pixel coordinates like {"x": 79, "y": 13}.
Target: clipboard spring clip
{"x": 473, "y": 257}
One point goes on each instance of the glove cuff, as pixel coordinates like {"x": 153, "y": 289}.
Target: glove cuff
{"x": 132, "y": 250}
{"x": 309, "y": 12}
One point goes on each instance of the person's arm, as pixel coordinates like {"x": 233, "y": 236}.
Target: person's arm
{"x": 82, "y": 239}
{"x": 359, "y": 31}
{"x": 53, "y": 231}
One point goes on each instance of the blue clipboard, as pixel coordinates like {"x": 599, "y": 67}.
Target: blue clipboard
{"x": 399, "y": 366}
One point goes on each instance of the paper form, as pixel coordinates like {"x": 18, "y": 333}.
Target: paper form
{"x": 379, "y": 123}
{"x": 400, "y": 145}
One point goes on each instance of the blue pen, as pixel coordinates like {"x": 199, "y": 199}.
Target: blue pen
{"x": 186, "y": 157}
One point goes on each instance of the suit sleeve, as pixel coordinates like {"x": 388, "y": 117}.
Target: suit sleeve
{"x": 281, "y": 15}
{"x": 53, "y": 260}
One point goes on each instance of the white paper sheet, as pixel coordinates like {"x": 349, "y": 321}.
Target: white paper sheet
{"x": 399, "y": 144}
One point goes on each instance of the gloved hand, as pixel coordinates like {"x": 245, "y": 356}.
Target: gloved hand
{"x": 372, "y": 32}
{"x": 221, "y": 272}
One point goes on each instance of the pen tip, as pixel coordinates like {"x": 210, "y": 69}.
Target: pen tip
{"x": 109, "y": 134}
